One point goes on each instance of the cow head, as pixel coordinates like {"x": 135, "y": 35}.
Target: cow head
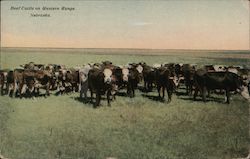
{"x": 238, "y": 81}
{"x": 49, "y": 68}
{"x": 219, "y": 68}
{"x": 3, "y": 79}
{"x": 125, "y": 73}
{"x": 62, "y": 74}
{"x": 139, "y": 68}
{"x": 56, "y": 74}
{"x": 83, "y": 73}
{"x": 175, "y": 81}
{"x": 245, "y": 93}
{"x": 83, "y": 76}
{"x": 5, "y": 74}
{"x": 107, "y": 75}
{"x": 233, "y": 70}
{"x": 156, "y": 66}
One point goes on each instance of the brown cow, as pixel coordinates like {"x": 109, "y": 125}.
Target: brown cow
{"x": 3, "y": 81}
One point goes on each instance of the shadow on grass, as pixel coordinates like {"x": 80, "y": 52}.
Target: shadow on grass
{"x": 30, "y": 96}
{"x": 199, "y": 99}
{"x": 144, "y": 90}
{"x": 153, "y": 98}
{"x": 86, "y": 101}
{"x": 122, "y": 94}
{"x": 181, "y": 93}
{"x": 59, "y": 93}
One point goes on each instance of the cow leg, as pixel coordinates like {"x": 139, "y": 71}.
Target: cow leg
{"x": 9, "y": 93}
{"x": 108, "y": 97}
{"x": 187, "y": 89}
{"x": 7, "y": 88}
{"x": 170, "y": 92}
{"x": 145, "y": 85}
{"x": 204, "y": 94}
{"x": 81, "y": 93}
{"x": 150, "y": 86}
{"x": 248, "y": 88}
{"x": 208, "y": 93}
{"x": 37, "y": 92}
{"x": 85, "y": 96}
{"x": 14, "y": 91}
{"x": 2, "y": 90}
{"x": 129, "y": 91}
{"x": 133, "y": 91}
{"x": 21, "y": 89}
{"x": 228, "y": 96}
{"x": 186, "y": 84}
{"x": 72, "y": 87}
{"x": 91, "y": 96}
{"x": 47, "y": 90}
{"x": 159, "y": 91}
{"x": 163, "y": 93}
{"x": 2, "y": 87}
{"x": 195, "y": 93}
{"x": 75, "y": 87}
{"x": 31, "y": 92}
{"x": 98, "y": 99}
{"x": 190, "y": 89}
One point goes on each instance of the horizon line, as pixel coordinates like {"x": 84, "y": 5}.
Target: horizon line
{"x": 130, "y": 48}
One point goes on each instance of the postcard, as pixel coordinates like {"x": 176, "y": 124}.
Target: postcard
{"x": 127, "y": 79}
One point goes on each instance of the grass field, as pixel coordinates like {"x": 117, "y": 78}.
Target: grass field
{"x": 142, "y": 127}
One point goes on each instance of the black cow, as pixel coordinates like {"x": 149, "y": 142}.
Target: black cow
{"x": 134, "y": 78}
{"x": 206, "y": 81}
{"x": 164, "y": 81}
{"x": 72, "y": 79}
{"x": 178, "y": 70}
{"x": 171, "y": 68}
{"x": 100, "y": 83}
{"x": 149, "y": 77}
{"x": 188, "y": 73}
{"x": 121, "y": 76}
{"x": 248, "y": 86}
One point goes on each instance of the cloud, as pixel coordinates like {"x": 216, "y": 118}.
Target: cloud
{"x": 141, "y": 23}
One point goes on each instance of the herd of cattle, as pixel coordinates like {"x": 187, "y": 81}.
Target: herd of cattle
{"x": 107, "y": 79}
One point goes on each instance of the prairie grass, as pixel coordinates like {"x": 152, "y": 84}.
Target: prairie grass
{"x": 141, "y": 127}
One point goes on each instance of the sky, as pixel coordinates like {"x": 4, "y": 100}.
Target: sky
{"x": 169, "y": 24}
